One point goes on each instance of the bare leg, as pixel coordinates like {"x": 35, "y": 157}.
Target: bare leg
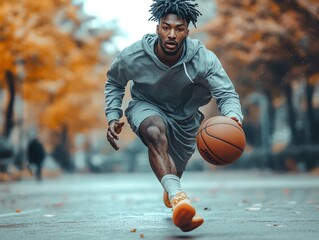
{"x": 153, "y": 130}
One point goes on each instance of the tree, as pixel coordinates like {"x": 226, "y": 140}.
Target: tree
{"x": 267, "y": 45}
{"x": 61, "y": 58}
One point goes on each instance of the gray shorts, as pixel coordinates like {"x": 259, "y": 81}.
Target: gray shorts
{"x": 181, "y": 135}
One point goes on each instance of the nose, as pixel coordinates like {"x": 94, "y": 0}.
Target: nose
{"x": 172, "y": 34}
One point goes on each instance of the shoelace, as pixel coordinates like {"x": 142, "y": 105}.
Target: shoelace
{"x": 179, "y": 197}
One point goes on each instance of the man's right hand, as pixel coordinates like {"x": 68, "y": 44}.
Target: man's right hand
{"x": 113, "y": 131}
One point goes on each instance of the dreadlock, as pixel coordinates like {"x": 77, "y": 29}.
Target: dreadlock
{"x": 185, "y": 9}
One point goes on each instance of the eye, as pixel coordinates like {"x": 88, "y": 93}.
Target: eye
{"x": 165, "y": 28}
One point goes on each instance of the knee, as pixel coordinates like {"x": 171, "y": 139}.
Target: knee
{"x": 155, "y": 136}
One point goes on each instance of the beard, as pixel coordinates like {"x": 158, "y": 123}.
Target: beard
{"x": 171, "y": 53}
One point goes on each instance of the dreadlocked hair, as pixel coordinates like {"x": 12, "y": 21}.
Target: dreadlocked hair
{"x": 185, "y": 9}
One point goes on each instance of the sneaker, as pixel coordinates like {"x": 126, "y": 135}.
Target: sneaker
{"x": 184, "y": 214}
{"x": 166, "y": 200}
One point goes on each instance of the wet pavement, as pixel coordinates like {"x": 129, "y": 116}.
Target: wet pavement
{"x": 235, "y": 205}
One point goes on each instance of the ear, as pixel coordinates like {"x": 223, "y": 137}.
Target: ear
{"x": 157, "y": 29}
{"x": 187, "y": 32}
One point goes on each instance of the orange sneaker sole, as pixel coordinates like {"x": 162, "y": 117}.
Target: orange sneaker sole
{"x": 183, "y": 217}
{"x": 183, "y": 214}
{"x": 195, "y": 223}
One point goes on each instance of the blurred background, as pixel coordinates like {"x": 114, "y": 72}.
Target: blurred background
{"x": 54, "y": 55}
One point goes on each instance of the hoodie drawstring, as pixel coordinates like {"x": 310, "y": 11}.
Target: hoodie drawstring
{"x": 185, "y": 69}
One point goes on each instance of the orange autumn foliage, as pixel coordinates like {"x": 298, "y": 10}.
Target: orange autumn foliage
{"x": 263, "y": 42}
{"x": 63, "y": 61}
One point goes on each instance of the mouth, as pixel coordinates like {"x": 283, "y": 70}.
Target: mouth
{"x": 171, "y": 44}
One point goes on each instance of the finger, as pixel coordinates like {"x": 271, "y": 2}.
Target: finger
{"x": 113, "y": 144}
{"x": 111, "y": 134}
{"x": 236, "y": 120}
{"x": 115, "y": 136}
{"x": 111, "y": 140}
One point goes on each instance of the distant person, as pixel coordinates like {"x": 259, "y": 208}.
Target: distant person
{"x": 172, "y": 76}
{"x": 36, "y": 155}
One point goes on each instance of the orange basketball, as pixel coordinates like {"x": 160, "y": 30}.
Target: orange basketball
{"x": 220, "y": 140}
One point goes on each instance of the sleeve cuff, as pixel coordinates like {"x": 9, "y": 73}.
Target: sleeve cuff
{"x": 112, "y": 116}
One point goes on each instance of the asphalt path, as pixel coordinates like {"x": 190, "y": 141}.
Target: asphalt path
{"x": 235, "y": 205}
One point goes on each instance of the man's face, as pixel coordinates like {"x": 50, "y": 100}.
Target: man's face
{"x": 172, "y": 32}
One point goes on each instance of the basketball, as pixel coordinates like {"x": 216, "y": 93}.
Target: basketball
{"x": 220, "y": 140}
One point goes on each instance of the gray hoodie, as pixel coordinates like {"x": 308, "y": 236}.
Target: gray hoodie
{"x": 178, "y": 90}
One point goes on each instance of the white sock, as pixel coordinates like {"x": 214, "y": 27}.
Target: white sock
{"x": 171, "y": 184}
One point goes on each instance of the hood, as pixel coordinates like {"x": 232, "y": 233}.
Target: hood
{"x": 192, "y": 47}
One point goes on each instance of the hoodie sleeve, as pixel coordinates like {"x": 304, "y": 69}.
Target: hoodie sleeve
{"x": 222, "y": 89}
{"x": 115, "y": 89}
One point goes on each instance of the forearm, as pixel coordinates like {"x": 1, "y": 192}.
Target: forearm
{"x": 114, "y": 94}
{"x": 223, "y": 90}
{"x": 229, "y": 105}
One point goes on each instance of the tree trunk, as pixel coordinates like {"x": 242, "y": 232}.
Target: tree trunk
{"x": 271, "y": 112}
{"x": 61, "y": 151}
{"x": 310, "y": 114}
{"x": 291, "y": 113}
{"x": 9, "y": 123}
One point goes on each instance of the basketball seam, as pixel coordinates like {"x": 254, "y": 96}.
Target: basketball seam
{"x": 238, "y": 127}
{"x": 218, "y": 158}
{"x": 222, "y": 140}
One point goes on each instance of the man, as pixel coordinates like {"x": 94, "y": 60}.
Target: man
{"x": 171, "y": 76}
